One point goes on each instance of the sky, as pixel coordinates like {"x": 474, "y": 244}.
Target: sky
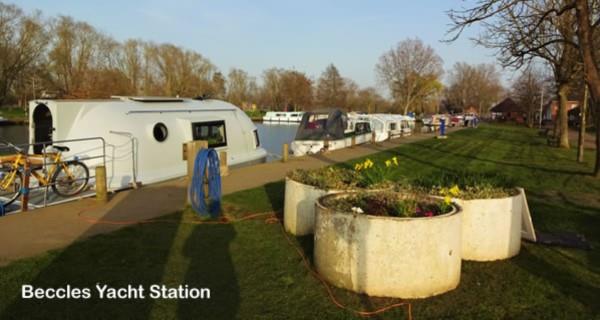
{"x": 256, "y": 35}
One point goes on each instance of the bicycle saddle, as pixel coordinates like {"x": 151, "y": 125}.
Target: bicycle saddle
{"x": 61, "y": 148}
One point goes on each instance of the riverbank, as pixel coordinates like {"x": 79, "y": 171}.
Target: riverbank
{"x": 253, "y": 271}
{"x": 29, "y": 234}
{"x": 14, "y": 116}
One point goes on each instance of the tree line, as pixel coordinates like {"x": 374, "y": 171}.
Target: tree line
{"x": 561, "y": 34}
{"x": 65, "y": 58}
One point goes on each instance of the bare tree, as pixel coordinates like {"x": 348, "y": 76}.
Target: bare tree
{"x": 412, "y": 72}
{"x": 541, "y": 19}
{"x": 331, "y": 91}
{"x": 219, "y": 86}
{"x": 22, "y": 43}
{"x": 240, "y": 87}
{"x": 527, "y": 91}
{"x": 271, "y": 91}
{"x": 182, "y": 72}
{"x": 296, "y": 90}
{"x": 369, "y": 100}
{"x": 131, "y": 64}
{"x": 475, "y": 86}
{"x": 72, "y": 55}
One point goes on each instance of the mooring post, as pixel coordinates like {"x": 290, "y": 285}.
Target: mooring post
{"x": 224, "y": 168}
{"x": 353, "y": 142}
{"x": 25, "y": 187}
{"x": 373, "y": 137}
{"x": 190, "y": 150}
{"x": 284, "y": 152}
{"x": 101, "y": 190}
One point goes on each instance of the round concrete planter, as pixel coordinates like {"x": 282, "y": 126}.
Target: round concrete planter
{"x": 491, "y": 228}
{"x": 388, "y": 256}
{"x": 299, "y": 206}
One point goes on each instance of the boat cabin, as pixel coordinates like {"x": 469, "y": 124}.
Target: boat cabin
{"x": 329, "y": 130}
{"x": 142, "y": 137}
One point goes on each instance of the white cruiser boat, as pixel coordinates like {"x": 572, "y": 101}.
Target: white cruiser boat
{"x": 387, "y": 126}
{"x": 282, "y": 116}
{"x": 327, "y": 130}
{"x": 143, "y": 136}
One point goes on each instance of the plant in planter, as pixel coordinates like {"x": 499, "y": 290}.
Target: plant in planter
{"x": 370, "y": 173}
{"x": 304, "y": 187}
{"x": 388, "y": 244}
{"x": 392, "y": 204}
{"x": 492, "y": 209}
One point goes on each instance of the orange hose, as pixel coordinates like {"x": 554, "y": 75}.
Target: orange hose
{"x": 272, "y": 218}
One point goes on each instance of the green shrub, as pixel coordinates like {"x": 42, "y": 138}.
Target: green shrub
{"x": 465, "y": 185}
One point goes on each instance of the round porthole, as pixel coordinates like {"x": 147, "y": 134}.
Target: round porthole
{"x": 160, "y": 132}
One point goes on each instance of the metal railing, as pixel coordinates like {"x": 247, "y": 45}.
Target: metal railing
{"x": 133, "y": 157}
{"x": 97, "y": 153}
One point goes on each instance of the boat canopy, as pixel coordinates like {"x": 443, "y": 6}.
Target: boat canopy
{"x": 322, "y": 124}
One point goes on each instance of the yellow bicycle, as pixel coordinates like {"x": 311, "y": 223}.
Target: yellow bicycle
{"x": 66, "y": 178}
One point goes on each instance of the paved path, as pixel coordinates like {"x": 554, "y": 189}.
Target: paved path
{"x": 32, "y": 233}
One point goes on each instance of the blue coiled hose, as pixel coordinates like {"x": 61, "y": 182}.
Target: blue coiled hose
{"x": 206, "y": 158}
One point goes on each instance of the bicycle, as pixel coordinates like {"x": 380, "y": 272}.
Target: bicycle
{"x": 66, "y": 178}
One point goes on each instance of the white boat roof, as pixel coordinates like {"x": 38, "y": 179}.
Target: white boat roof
{"x": 143, "y": 104}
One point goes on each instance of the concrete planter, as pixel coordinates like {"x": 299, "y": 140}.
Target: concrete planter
{"x": 299, "y": 206}
{"x": 491, "y": 228}
{"x": 388, "y": 256}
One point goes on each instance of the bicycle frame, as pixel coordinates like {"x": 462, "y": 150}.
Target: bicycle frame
{"x": 43, "y": 179}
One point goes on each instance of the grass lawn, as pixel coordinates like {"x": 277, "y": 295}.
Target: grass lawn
{"x": 13, "y": 113}
{"x": 253, "y": 272}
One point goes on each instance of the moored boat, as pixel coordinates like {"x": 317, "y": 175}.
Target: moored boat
{"x": 327, "y": 130}
{"x": 282, "y": 116}
{"x": 143, "y": 136}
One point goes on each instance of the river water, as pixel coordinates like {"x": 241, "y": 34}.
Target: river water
{"x": 272, "y": 136}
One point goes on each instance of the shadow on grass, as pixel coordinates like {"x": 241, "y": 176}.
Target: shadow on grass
{"x": 497, "y": 162}
{"x": 207, "y": 249}
{"x": 276, "y": 194}
{"x": 169, "y": 253}
{"x": 132, "y": 256}
{"x": 560, "y": 278}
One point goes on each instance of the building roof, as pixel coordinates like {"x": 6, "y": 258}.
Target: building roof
{"x": 507, "y": 105}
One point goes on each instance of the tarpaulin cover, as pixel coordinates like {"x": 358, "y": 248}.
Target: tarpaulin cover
{"x": 322, "y": 125}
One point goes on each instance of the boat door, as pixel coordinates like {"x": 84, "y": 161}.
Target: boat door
{"x": 42, "y": 127}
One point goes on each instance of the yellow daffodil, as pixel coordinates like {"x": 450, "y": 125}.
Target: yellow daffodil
{"x": 358, "y": 166}
{"x": 395, "y": 160}
{"x": 444, "y": 191}
{"x": 388, "y": 163}
{"x": 454, "y": 191}
{"x": 447, "y": 200}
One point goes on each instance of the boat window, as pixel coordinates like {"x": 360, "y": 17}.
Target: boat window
{"x": 362, "y": 127}
{"x": 160, "y": 132}
{"x": 392, "y": 126}
{"x": 213, "y": 132}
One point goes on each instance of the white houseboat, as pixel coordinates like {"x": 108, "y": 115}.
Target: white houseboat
{"x": 143, "y": 136}
{"x": 329, "y": 130}
{"x": 282, "y": 116}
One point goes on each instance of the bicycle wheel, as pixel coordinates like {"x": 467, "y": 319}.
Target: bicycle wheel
{"x": 70, "y": 179}
{"x": 12, "y": 193}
